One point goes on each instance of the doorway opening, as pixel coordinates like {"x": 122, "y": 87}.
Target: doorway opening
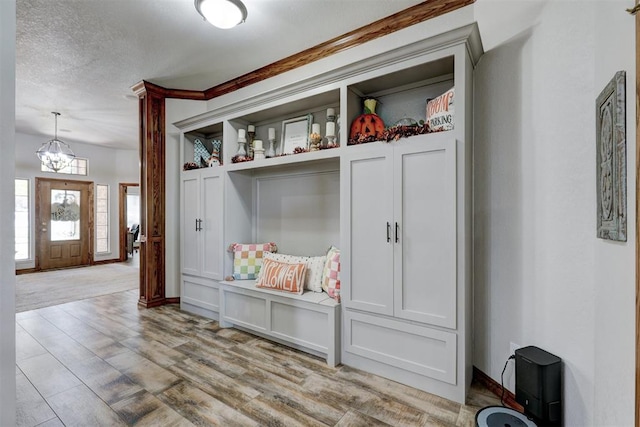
{"x": 129, "y": 203}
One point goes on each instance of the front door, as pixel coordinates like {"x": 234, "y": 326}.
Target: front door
{"x": 64, "y": 223}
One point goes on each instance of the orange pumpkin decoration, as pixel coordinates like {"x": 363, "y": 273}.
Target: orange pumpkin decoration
{"x": 369, "y": 123}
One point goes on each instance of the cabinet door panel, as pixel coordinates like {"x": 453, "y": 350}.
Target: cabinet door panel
{"x": 414, "y": 348}
{"x": 190, "y": 208}
{"x": 211, "y": 233}
{"x": 425, "y": 255}
{"x": 367, "y": 275}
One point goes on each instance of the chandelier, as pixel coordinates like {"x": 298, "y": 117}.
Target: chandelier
{"x": 55, "y": 154}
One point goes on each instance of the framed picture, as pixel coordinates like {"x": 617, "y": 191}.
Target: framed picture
{"x": 611, "y": 160}
{"x": 295, "y": 133}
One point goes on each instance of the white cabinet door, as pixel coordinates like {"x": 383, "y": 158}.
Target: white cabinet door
{"x": 425, "y": 250}
{"x": 211, "y": 224}
{"x": 190, "y": 208}
{"x": 367, "y": 254}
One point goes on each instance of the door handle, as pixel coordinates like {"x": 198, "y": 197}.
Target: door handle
{"x": 388, "y": 232}
{"x": 196, "y": 224}
{"x": 397, "y": 233}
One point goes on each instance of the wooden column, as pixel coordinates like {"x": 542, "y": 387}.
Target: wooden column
{"x": 152, "y": 196}
{"x": 637, "y": 124}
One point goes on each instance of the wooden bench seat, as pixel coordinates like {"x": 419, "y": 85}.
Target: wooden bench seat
{"x": 309, "y": 322}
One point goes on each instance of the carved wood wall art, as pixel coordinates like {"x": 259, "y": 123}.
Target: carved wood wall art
{"x": 611, "y": 163}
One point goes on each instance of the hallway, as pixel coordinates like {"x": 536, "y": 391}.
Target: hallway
{"x": 47, "y": 288}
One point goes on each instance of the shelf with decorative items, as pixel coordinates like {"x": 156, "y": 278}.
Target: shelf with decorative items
{"x": 298, "y": 127}
{"x": 403, "y": 103}
{"x": 202, "y": 147}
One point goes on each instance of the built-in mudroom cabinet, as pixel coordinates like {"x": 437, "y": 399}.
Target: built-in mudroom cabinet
{"x": 398, "y": 210}
{"x": 201, "y": 239}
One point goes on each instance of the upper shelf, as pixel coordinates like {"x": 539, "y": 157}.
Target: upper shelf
{"x": 210, "y": 131}
{"x": 419, "y": 75}
{"x": 293, "y": 108}
{"x": 401, "y": 79}
{"x": 309, "y": 158}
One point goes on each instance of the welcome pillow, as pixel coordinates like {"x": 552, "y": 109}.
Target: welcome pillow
{"x": 315, "y": 266}
{"x": 282, "y": 276}
{"x": 247, "y": 258}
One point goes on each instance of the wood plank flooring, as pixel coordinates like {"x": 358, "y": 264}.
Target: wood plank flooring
{"x": 105, "y": 362}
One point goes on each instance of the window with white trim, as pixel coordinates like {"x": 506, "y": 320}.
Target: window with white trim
{"x": 78, "y": 166}
{"x": 21, "y": 219}
{"x": 102, "y": 218}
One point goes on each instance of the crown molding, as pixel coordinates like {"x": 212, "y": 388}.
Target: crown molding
{"x": 405, "y": 18}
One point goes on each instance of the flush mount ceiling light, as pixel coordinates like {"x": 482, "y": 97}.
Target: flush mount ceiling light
{"x": 54, "y": 153}
{"x": 222, "y": 13}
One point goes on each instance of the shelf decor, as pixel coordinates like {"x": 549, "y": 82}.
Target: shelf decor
{"x": 200, "y": 153}
{"x": 295, "y": 134}
{"x": 440, "y": 112}
{"x": 315, "y": 139}
{"x": 611, "y": 160}
{"x": 251, "y": 135}
{"x": 214, "y": 159}
{"x": 368, "y": 124}
{"x": 271, "y": 152}
{"x": 258, "y": 150}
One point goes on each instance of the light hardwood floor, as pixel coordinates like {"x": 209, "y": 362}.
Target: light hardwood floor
{"x": 105, "y": 362}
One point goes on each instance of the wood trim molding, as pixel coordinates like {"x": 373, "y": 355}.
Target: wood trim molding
{"x": 495, "y": 388}
{"x": 106, "y": 261}
{"x": 405, "y": 18}
{"x": 637, "y": 399}
{"x": 172, "y": 300}
{"x": 382, "y": 27}
{"x": 122, "y": 215}
{"x": 144, "y": 86}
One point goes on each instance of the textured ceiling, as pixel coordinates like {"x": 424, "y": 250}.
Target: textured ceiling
{"x": 81, "y": 57}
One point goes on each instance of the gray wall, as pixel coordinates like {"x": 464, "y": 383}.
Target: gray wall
{"x": 541, "y": 276}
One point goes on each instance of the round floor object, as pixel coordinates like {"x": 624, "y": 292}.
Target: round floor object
{"x": 499, "y": 416}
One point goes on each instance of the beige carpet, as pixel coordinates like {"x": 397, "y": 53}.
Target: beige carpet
{"x": 37, "y": 290}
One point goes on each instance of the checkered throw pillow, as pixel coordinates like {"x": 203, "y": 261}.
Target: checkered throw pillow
{"x": 247, "y": 259}
{"x": 331, "y": 274}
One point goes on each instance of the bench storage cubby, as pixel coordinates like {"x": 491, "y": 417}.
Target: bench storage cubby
{"x": 309, "y": 322}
